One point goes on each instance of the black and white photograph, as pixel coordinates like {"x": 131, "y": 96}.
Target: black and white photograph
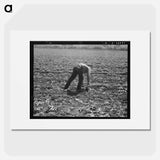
{"x": 79, "y": 79}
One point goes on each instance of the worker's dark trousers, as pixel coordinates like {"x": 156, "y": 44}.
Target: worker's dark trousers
{"x": 76, "y": 71}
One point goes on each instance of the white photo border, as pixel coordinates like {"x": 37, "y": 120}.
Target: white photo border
{"x": 19, "y": 65}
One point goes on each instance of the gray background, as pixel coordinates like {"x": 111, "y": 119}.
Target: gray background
{"x": 79, "y": 17}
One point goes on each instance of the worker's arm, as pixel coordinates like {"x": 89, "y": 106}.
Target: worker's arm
{"x": 88, "y": 77}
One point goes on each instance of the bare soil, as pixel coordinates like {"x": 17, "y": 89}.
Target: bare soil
{"x": 107, "y": 96}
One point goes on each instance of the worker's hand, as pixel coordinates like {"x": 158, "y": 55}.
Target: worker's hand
{"x": 87, "y": 89}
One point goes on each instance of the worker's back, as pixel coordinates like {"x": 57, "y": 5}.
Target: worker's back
{"x": 84, "y": 67}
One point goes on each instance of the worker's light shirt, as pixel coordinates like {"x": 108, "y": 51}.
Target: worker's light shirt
{"x": 85, "y": 69}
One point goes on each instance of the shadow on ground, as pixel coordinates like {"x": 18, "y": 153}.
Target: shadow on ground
{"x": 74, "y": 93}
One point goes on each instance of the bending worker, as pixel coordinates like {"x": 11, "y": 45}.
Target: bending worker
{"x": 79, "y": 70}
